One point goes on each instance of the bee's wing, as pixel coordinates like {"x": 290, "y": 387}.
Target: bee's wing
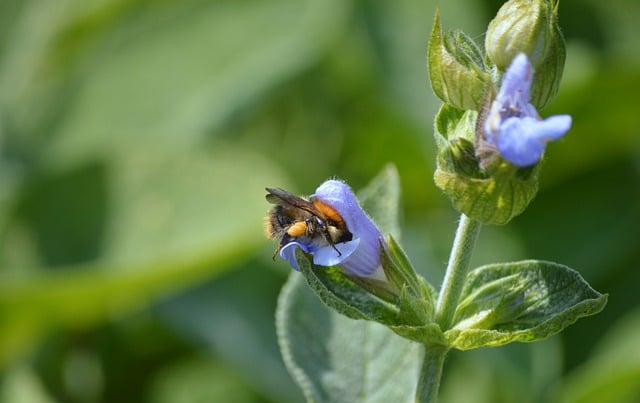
{"x": 282, "y": 197}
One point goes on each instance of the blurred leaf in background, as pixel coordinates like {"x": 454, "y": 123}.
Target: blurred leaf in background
{"x": 136, "y": 138}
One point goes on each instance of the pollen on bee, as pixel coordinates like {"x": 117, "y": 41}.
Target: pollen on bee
{"x": 297, "y": 229}
{"x": 329, "y": 212}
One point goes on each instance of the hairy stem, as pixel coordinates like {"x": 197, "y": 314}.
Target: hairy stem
{"x": 434, "y": 354}
{"x": 431, "y": 373}
{"x": 463, "y": 244}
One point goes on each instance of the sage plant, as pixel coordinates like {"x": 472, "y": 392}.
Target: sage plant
{"x": 491, "y": 138}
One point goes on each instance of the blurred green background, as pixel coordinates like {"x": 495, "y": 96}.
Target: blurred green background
{"x": 136, "y": 139}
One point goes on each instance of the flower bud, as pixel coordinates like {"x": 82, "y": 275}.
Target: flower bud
{"x": 523, "y": 26}
{"x": 457, "y": 71}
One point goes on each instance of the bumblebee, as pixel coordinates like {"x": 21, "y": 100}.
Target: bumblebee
{"x": 311, "y": 222}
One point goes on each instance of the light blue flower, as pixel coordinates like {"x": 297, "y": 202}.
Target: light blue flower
{"x": 513, "y": 125}
{"x": 361, "y": 255}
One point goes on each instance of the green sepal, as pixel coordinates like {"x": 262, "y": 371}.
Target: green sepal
{"x": 406, "y": 307}
{"x": 457, "y": 71}
{"x": 416, "y": 297}
{"x": 521, "y": 301}
{"x": 494, "y": 200}
{"x": 414, "y": 311}
{"x": 492, "y": 194}
{"x": 338, "y": 291}
{"x": 547, "y": 75}
{"x": 454, "y": 133}
{"x": 400, "y": 272}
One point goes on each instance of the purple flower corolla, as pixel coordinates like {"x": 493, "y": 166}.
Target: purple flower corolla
{"x": 361, "y": 255}
{"x": 513, "y": 125}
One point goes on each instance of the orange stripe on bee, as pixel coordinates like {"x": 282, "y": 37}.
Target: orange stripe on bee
{"x": 297, "y": 229}
{"x": 329, "y": 212}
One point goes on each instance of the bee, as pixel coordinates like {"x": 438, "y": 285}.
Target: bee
{"x": 309, "y": 221}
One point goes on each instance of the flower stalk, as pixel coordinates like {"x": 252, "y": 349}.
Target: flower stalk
{"x": 435, "y": 354}
{"x": 431, "y": 373}
{"x": 463, "y": 244}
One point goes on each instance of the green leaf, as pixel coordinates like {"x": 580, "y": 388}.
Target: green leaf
{"x": 237, "y": 306}
{"x": 172, "y": 203}
{"x": 381, "y": 199}
{"x": 175, "y": 220}
{"x": 612, "y": 372}
{"x": 521, "y": 301}
{"x": 21, "y": 384}
{"x": 336, "y": 359}
{"x": 199, "y": 380}
{"x": 177, "y": 71}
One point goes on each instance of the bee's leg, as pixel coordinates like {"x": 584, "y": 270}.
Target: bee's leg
{"x": 327, "y": 237}
{"x": 333, "y": 245}
{"x": 286, "y": 238}
{"x": 276, "y": 252}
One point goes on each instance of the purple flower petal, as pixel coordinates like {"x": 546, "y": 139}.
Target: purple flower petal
{"x": 523, "y": 140}
{"x": 515, "y": 143}
{"x": 516, "y": 83}
{"x": 339, "y": 195}
{"x": 553, "y": 127}
{"x": 513, "y": 125}
{"x": 365, "y": 259}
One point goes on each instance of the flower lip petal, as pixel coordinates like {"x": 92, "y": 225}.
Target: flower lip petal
{"x": 553, "y": 127}
{"x": 516, "y": 144}
{"x": 327, "y": 256}
{"x": 523, "y": 140}
{"x": 288, "y": 253}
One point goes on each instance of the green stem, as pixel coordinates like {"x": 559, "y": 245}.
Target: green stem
{"x": 431, "y": 373}
{"x": 434, "y": 354}
{"x": 468, "y": 230}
